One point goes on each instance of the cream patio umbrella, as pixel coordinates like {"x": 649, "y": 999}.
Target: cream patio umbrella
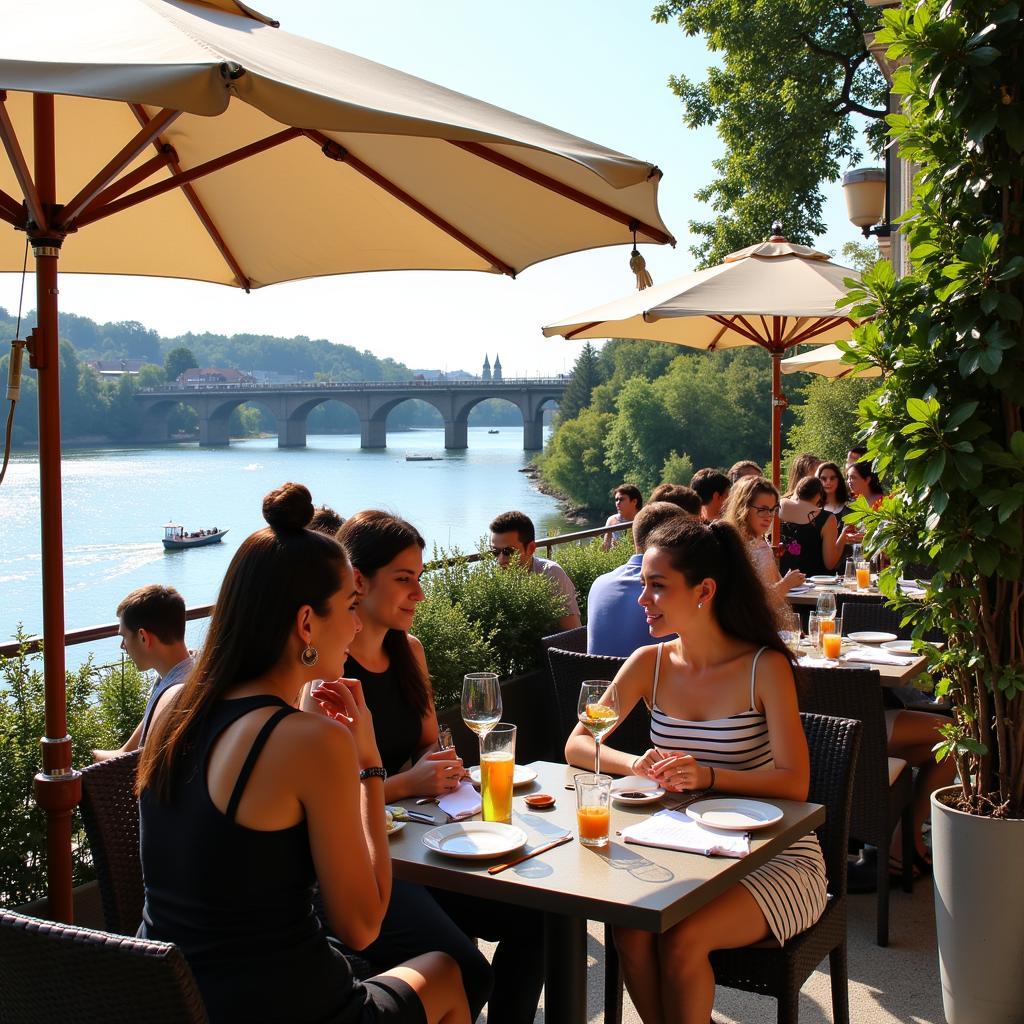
{"x": 828, "y": 362}
{"x": 776, "y": 295}
{"x": 196, "y": 139}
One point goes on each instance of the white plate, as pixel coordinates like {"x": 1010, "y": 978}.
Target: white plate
{"x": 899, "y": 646}
{"x": 395, "y": 826}
{"x": 798, "y": 590}
{"x": 473, "y": 840}
{"x": 734, "y": 814}
{"x": 871, "y": 637}
{"x": 521, "y": 775}
{"x": 823, "y": 579}
{"x": 647, "y": 790}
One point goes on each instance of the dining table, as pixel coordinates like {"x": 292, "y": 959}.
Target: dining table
{"x": 620, "y": 884}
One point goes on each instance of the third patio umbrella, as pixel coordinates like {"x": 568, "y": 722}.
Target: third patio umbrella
{"x": 195, "y": 139}
{"x": 828, "y": 362}
{"x": 776, "y": 295}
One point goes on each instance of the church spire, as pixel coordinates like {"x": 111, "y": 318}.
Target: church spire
{"x": 497, "y": 367}
{"x": 486, "y": 372}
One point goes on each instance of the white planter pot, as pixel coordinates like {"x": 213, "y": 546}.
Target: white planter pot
{"x": 979, "y": 915}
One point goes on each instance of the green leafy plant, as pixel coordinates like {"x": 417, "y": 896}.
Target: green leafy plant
{"x": 510, "y": 608}
{"x": 103, "y": 708}
{"x": 945, "y": 427}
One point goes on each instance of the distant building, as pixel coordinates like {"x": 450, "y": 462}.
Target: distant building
{"x": 485, "y": 374}
{"x": 213, "y": 375}
{"x": 497, "y": 368}
{"x": 273, "y": 377}
{"x": 111, "y": 369}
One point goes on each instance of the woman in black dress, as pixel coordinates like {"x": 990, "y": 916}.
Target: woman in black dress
{"x": 811, "y": 538}
{"x": 244, "y": 801}
{"x": 387, "y": 554}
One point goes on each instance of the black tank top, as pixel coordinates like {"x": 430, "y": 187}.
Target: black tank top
{"x": 396, "y": 723}
{"x": 802, "y": 546}
{"x": 238, "y": 901}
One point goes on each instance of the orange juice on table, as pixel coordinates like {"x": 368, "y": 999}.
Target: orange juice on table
{"x": 496, "y": 770}
{"x": 832, "y": 644}
{"x": 826, "y": 626}
{"x": 593, "y": 825}
{"x": 864, "y": 576}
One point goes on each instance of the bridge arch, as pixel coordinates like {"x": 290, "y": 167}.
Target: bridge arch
{"x": 154, "y": 425}
{"x": 215, "y": 419}
{"x": 291, "y": 431}
{"x": 531, "y": 405}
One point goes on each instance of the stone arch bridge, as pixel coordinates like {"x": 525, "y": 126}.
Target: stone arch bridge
{"x": 291, "y": 404}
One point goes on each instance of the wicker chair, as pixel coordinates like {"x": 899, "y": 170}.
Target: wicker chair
{"x": 883, "y": 786}
{"x": 781, "y": 971}
{"x": 861, "y": 613}
{"x": 55, "y": 972}
{"x": 570, "y": 640}
{"x": 110, "y": 813}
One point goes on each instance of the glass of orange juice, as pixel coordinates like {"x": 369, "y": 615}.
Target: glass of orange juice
{"x": 593, "y": 797}
{"x": 863, "y": 575}
{"x": 497, "y": 767}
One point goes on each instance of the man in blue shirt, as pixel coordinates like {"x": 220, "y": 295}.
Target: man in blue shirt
{"x": 616, "y": 624}
{"x": 151, "y": 625}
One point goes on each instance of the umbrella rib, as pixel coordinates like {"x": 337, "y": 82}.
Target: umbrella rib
{"x": 335, "y": 151}
{"x": 820, "y": 326}
{"x": 11, "y": 210}
{"x": 10, "y": 140}
{"x": 187, "y": 177}
{"x": 118, "y": 163}
{"x": 566, "y": 191}
{"x": 196, "y": 203}
{"x": 746, "y": 331}
{"x": 130, "y": 180}
{"x": 579, "y": 330}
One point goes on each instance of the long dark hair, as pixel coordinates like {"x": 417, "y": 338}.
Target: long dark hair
{"x": 842, "y": 491}
{"x": 716, "y": 551}
{"x": 802, "y": 465}
{"x": 866, "y": 471}
{"x": 373, "y": 539}
{"x": 273, "y": 574}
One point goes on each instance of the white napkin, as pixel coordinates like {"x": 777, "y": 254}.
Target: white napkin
{"x": 675, "y": 830}
{"x": 461, "y": 803}
{"x": 812, "y": 661}
{"x": 876, "y": 657}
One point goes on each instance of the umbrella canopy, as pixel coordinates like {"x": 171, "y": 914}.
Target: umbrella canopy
{"x": 195, "y": 139}
{"x": 776, "y": 295}
{"x": 245, "y": 155}
{"x": 827, "y": 361}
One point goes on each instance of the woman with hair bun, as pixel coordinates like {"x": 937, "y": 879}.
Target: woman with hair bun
{"x": 387, "y": 555}
{"x": 245, "y": 802}
{"x": 864, "y": 482}
{"x": 724, "y": 689}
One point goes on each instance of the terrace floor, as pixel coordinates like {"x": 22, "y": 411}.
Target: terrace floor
{"x": 895, "y": 985}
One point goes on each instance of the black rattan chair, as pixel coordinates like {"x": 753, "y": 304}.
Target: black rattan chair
{"x": 110, "y": 813}
{"x": 57, "y": 972}
{"x": 872, "y": 614}
{"x": 883, "y": 786}
{"x": 570, "y": 640}
{"x": 781, "y": 971}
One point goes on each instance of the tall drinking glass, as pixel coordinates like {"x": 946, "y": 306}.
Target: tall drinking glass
{"x": 481, "y": 702}
{"x": 497, "y": 768}
{"x": 593, "y": 797}
{"x": 598, "y": 710}
{"x": 850, "y": 576}
{"x": 814, "y": 632}
{"x": 826, "y": 606}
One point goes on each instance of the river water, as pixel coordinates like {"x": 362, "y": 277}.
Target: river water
{"x": 116, "y": 501}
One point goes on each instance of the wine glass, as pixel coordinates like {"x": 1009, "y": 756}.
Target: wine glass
{"x": 481, "y": 702}
{"x": 598, "y": 710}
{"x": 826, "y": 606}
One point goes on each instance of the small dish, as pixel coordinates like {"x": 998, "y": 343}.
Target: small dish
{"x": 735, "y": 815}
{"x": 899, "y": 646}
{"x": 540, "y": 801}
{"x": 868, "y": 636}
{"x": 823, "y": 581}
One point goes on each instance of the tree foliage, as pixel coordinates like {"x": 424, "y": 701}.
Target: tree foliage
{"x": 946, "y": 425}
{"x": 178, "y": 361}
{"x": 827, "y": 421}
{"x": 791, "y": 75}
{"x": 587, "y": 373}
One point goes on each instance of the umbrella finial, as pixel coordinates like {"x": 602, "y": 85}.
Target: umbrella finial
{"x": 777, "y": 235}
{"x": 638, "y": 265}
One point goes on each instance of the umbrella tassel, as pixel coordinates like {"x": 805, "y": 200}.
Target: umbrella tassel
{"x": 637, "y": 263}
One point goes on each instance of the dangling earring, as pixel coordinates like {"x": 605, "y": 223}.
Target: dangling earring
{"x": 309, "y": 656}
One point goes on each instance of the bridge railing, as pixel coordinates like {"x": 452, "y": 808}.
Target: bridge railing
{"x": 90, "y": 634}
{"x": 352, "y": 385}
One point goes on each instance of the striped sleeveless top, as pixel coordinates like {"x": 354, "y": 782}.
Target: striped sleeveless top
{"x": 739, "y": 742}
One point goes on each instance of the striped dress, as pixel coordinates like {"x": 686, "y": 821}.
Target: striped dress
{"x": 791, "y": 888}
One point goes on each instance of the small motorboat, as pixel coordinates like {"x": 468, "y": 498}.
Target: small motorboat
{"x": 175, "y": 537}
{"x": 422, "y": 458}
{"x": 493, "y": 431}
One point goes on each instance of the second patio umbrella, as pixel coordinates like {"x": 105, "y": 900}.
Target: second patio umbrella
{"x": 826, "y": 361}
{"x": 775, "y": 295}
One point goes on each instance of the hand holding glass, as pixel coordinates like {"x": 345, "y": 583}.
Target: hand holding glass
{"x": 598, "y": 711}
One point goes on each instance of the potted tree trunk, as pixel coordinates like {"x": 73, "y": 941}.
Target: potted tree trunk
{"x": 945, "y": 431}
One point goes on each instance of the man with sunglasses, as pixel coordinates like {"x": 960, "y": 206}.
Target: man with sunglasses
{"x": 513, "y": 537}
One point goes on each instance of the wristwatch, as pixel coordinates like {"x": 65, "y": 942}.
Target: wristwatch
{"x": 372, "y": 773}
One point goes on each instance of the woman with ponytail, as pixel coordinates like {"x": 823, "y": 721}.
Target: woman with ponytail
{"x": 724, "y": 717}
{"x": 387, "y": 556}
{"x": 245, "y": 801}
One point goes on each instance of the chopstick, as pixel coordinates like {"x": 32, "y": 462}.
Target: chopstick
{"x": 533, "y": 853}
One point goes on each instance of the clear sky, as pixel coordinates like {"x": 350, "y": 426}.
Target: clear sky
{"x": 595, "y": 68}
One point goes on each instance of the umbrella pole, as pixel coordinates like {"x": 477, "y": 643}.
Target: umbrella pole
{"x": 57, "y": 787}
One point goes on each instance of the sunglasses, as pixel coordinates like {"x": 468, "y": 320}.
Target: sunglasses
{"x": 504, "y": 552}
